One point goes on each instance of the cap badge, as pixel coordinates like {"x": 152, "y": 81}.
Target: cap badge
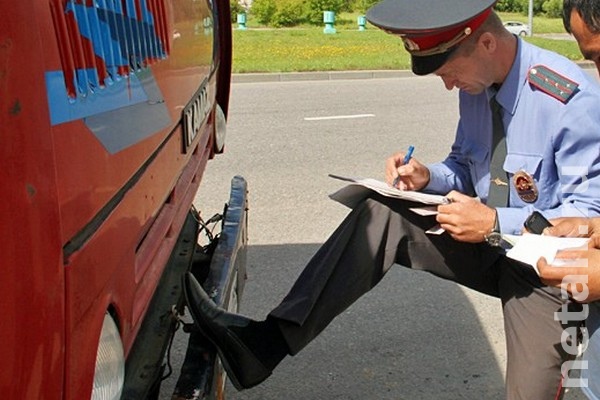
{"x": 410, "y": 45}
{"x": 525, "y": 186}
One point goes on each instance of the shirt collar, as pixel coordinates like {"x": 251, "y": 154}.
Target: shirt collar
{"x": 508, "y": 94}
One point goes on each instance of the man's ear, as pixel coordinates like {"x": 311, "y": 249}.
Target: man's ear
{"x": 488, "y": 42}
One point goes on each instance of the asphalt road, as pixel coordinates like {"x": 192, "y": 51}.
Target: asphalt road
{"x": 414, "y": 336}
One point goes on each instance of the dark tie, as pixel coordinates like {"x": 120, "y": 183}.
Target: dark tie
{"x": 498, "y": 194}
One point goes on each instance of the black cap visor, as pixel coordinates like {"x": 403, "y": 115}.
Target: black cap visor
{"x": 424, "y": 65}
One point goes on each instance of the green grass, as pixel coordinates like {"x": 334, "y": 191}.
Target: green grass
{"x": 309, "y": 49}
{"x": 285, "y": 50}
{"x": 567, "y": 48}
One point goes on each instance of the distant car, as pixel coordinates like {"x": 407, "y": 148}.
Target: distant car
{"x": 517, "y": 28}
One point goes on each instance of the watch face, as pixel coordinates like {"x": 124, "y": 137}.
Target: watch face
{"x": 494, "y": 239}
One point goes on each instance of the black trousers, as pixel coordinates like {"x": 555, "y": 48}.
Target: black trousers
{"x": 380, "y": 233}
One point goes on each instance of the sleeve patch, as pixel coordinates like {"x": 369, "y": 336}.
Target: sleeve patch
{"x": 552, "y": 83}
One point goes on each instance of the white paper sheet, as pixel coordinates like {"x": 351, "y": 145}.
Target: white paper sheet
{"x": 359, "y": 188}
{"x": 528, "y": 248}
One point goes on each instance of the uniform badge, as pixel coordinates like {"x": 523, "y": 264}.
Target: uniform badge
{"x": 525, "y": 185}
{"x": 498, "y": 182}
{"x": 552, "y": 83}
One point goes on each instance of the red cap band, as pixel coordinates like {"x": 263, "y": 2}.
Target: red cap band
{"x": 428, "y": 40}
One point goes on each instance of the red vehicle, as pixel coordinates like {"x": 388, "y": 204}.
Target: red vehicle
{"x": 110, "y": 111}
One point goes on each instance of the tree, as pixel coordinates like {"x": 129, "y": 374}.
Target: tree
{"x": 553, "y": 8}
{"x": 236, "y": 8}
{"x": 507, "y": 6}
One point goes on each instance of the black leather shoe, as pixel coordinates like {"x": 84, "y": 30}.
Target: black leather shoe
{"x": 242, "y": 366}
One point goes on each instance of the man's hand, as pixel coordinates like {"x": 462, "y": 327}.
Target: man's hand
{"x": 582, "y": 279}
{"x": 573, "y": 227}
{"x": 413, "y": 175}
{"x": 466, "y": 219}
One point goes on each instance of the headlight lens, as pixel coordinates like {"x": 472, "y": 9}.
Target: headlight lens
{"x": 220, "y": 130}
{"x": 110, "y": 363}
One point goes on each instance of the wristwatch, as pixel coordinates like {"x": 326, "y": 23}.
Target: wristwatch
{"x": 494, "y": 238}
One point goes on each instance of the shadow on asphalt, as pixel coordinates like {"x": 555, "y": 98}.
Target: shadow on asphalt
{"x": 412, "y": 337}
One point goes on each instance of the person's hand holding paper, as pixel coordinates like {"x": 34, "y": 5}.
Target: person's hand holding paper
{"x": 466, "y": 219}
{"x": 577, "y": 271}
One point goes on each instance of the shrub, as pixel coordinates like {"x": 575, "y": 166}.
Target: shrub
{"x": 522, "y": 6}
{"x": 315, "y": 8}
{"x": 553, "y": 8}
{"x": 289, "y": 13}
{"x": 362, "y": 6}
{"x": 264, "y": 10}
{"x": 507, "y": 6}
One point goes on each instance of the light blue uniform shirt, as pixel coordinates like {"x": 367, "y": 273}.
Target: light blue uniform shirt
{"x": 557, "y": 144}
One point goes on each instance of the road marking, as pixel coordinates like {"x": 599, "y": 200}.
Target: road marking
{"x": 339, "y": 117}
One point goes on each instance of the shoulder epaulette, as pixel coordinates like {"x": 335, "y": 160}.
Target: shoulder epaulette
{"x": 552, "y": 83}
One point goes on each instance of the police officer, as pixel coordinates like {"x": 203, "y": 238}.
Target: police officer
{"x": 582, "y": 19}
{"x": 526, "y": 140}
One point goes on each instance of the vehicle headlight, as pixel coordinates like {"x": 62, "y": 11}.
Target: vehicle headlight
{"x": 220, "y": 129}
{"x": 110, "y": 363}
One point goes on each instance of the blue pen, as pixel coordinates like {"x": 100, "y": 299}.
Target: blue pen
{"x": 404, "y": 162}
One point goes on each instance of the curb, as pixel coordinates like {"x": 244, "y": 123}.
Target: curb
{"x": 314, "y": 76}
{"x": 336, "y": 75}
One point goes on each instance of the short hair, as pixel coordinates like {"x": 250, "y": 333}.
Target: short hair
{"x": 589, "y": 10}
{"x": 492, "y": 24}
